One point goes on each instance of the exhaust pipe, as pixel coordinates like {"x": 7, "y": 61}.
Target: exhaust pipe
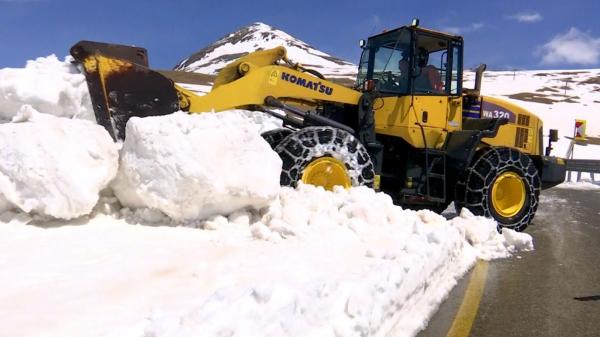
{"x": 478, "y": 78}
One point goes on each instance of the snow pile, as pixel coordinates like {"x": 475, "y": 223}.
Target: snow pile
{"x": 49, "y": 86}
{"x": 185, "y": 166}
{"x": 54, "y": 166}
{"x": 487, "y": 243}
{"x": 262, "y": 121}
{"x": 194, "y": 166}
{"x": 581, "y": 185}
{"x": 312, "y": 263}
{"x": 268, "y": 261}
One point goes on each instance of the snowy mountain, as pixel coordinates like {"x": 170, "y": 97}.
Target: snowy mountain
{"x": 258, "y": 36}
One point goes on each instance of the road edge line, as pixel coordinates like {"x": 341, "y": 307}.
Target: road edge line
{"x": 463, "y": 321}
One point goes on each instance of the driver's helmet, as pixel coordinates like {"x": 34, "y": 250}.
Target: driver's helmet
{"x": 422, "y": 57}
{"x": 404, "y": 61}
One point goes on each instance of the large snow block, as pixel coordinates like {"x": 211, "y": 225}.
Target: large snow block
{"x": 49, "y": 86}
{"x": 195, "y": 166}
{"x": 54, "y": 166}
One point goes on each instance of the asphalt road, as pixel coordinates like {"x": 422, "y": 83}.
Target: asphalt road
{"x": 552, "y": 291}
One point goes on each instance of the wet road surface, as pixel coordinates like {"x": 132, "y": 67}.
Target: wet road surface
{"x": 552, "y": 291}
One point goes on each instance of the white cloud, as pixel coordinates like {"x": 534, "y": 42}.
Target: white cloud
{"x": 462, "y": 30}
{"x": 572, "y": 47}
{"x": 476, "y": 26}
{"x": 376, "y": 20}
{"x": 527, "y": 17}
{"x": 452, "y": 30}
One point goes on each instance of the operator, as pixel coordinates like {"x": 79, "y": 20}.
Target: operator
{"x": 428, "y": 77}
{"x": 404, "y": 67}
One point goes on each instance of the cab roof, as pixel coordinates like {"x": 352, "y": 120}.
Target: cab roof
{"x": 423, "y": 30}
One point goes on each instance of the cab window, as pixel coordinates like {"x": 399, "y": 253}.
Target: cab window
{"x": 439, "y": 67}
{"x": 456, "y": 75}
{"x": 386, "y": 61}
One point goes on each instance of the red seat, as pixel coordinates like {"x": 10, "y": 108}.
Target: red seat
{"x": 432, "y": 76}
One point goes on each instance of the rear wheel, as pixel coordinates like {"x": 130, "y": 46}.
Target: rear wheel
{"x": 324, "y": 156}
{"x": 503, "y": 184}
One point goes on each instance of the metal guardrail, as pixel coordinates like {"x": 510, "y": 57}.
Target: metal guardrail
{"x": 583, "y": 165}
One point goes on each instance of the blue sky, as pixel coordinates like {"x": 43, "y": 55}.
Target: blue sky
{"x": 525, "y": 34}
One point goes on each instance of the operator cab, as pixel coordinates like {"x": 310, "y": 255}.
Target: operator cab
{"x": 412, "y": 61}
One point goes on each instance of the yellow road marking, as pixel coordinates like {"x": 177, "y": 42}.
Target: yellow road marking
{"x": 463, "y": 322}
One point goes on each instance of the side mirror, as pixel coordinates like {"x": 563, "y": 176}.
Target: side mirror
{"x": 553, "y": 137}
{"x": 362, "y": 44}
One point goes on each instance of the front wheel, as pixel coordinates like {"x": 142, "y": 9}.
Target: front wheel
{"x": 324, "y": 156}
{"x": 503, "y": 184}
{"x": 275, "y": 136}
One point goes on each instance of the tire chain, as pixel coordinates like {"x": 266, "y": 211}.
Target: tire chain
{"x": 473, "y": 189}
{"x": 301, "y": 147}
{"x": 275, "y": 136}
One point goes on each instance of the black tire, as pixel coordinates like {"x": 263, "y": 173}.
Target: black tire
{"x": 275, "y": 136}
{"x": 476, "y": 187}
{"x": 304, "y": 146}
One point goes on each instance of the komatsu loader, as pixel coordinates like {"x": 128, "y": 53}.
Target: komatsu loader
{"x": 408, "y": 127}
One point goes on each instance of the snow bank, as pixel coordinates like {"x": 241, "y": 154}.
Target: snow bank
{"x": 481, "y": 234}
{"x": 580, "y": 185}
{"x": 194, "y": 166}
{"x": 267, "y": 262}
{"x": 49, "y": 86}
{"x": 312, "y": 263}
{"x": 54, "y": 166}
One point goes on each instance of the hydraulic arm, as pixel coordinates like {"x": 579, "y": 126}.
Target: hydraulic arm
{"x": 122, "y": 85}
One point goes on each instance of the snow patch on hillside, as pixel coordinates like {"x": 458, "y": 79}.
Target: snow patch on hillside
{"x": 558, "y": 97}
{"x": 260, "y": 36}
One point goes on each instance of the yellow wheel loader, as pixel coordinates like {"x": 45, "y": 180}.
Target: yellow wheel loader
{"x": 407, "y": 128}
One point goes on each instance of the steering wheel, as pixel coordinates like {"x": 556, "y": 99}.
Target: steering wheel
{"x": 387, "y": 80}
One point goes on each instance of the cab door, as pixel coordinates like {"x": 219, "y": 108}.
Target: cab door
{"x": 437, "y": 101}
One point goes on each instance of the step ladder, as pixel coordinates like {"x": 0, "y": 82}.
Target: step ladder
{"x": 435, "y": 163}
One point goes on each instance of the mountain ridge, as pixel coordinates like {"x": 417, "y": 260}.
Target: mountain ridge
{"x": 259, "y": 36}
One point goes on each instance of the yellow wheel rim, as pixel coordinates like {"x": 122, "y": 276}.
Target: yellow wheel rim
{"x": 508, "y": 194}
{"x": 326, "y": 172}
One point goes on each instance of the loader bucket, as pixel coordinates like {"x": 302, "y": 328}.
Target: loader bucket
{"x": 122, "y": 86}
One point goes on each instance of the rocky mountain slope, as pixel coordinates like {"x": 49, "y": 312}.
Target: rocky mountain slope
{"x": 260, "y": 36}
